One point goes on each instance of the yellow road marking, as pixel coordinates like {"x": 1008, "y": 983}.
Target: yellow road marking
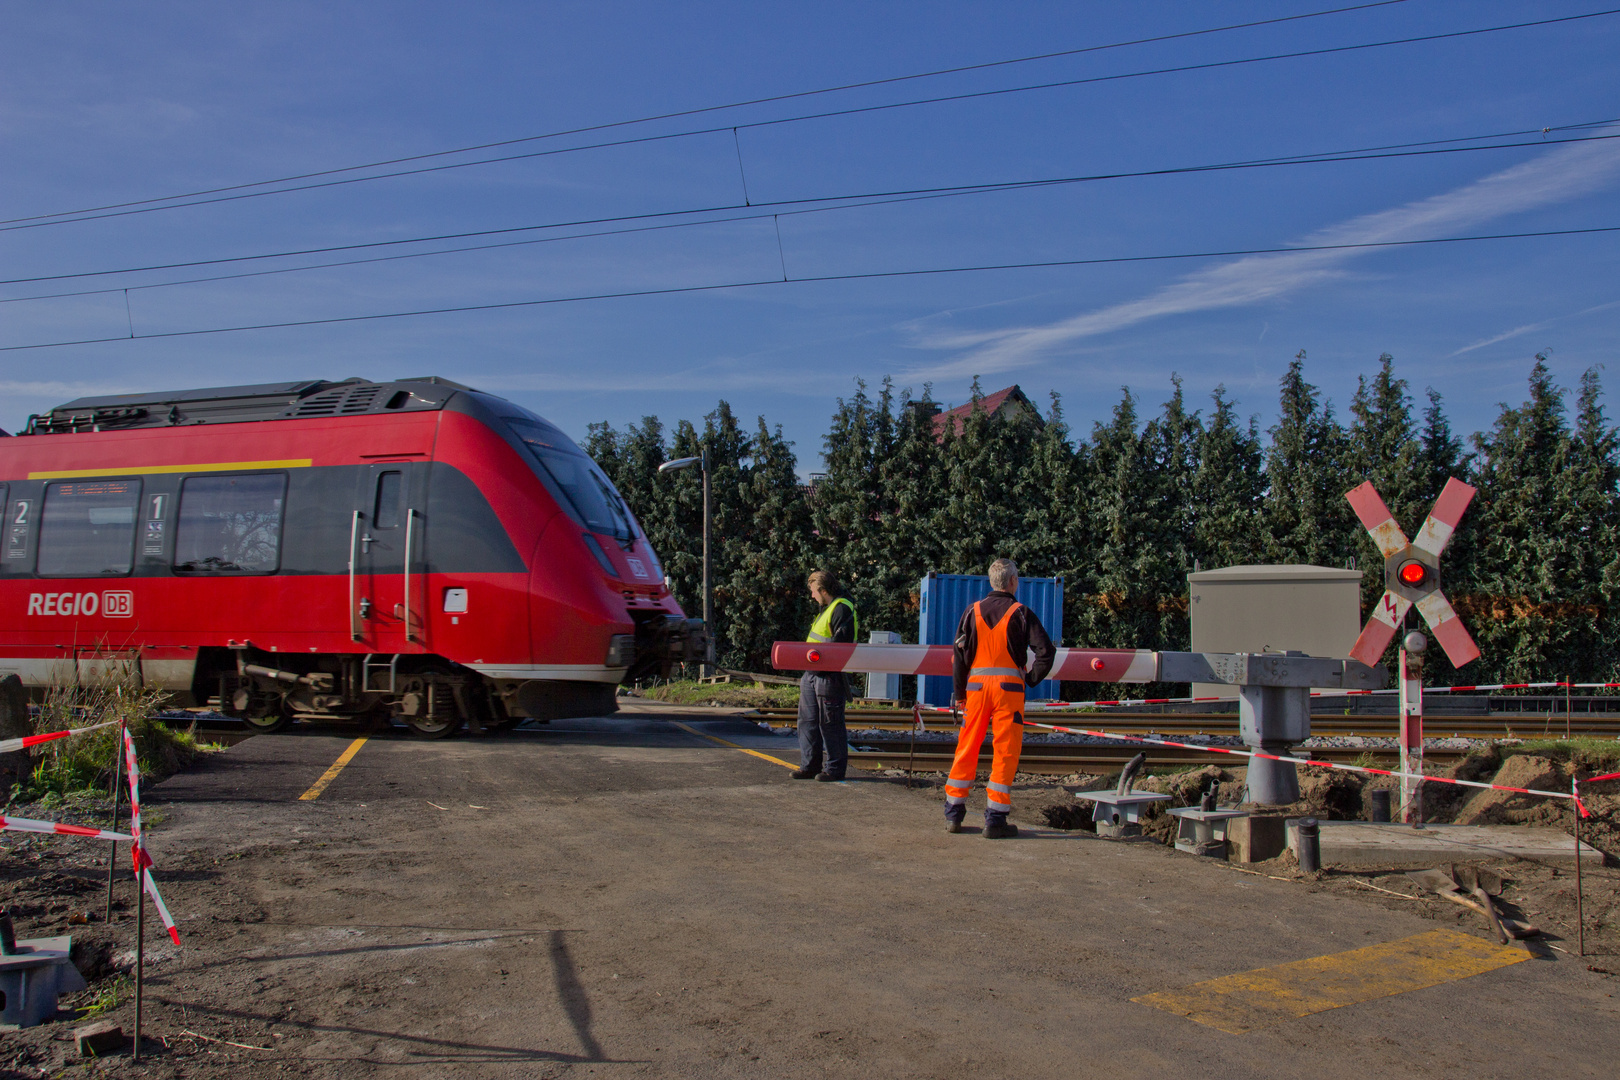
{"x": 734, "y": 746}
{"x": 1240, "y": 1003}
{"x": 331, "y": 774}
{"x": 139, "y": 470}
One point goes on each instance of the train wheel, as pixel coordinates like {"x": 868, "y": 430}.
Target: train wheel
{"x": 428, "y": 727}
{"x": 264, "y": 725}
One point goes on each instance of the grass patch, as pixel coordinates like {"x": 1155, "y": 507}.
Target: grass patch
{"x": 86, "y": 763}
{"x": 1599, "y": 754}
{"x": 733, "y": 695}
{"x": 108, "y": 996}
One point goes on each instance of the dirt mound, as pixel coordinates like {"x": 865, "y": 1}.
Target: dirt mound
{"x": 1069, "y": 816}
{"x": 1508, "y": 808}
{"x": 1331, "y": 795}
{"x": 1186, "y": 787}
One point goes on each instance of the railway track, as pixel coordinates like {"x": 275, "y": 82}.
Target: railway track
{"x": 1050, "y": 759}
{"x": 1332, "y": 725}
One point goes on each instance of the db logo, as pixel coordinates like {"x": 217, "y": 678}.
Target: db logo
{"x": 118, "y": 605}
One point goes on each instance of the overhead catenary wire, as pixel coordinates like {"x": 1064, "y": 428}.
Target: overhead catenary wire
{"x": 828, "y": 114}
{"x": 779, "y": 208}
{"x": 674, "y": 290}
{"x": 706, "y": 109}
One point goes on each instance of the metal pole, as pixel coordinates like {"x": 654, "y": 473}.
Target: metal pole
{"x": 118, "y": 783}
{"x": 708, "y": 590}
{"x": 140, "y": 954}
{"x": 1580, "y": 915}
{"x": 916, "y": 718}
{"x": 1567, "y": 680}
{"x": 1410, "y": 674}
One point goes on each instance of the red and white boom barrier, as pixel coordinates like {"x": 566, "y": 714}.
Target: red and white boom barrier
{"x": 1073, "y": 665}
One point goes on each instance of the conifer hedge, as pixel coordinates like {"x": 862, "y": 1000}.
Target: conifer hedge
{"x": 1125, "y": 514}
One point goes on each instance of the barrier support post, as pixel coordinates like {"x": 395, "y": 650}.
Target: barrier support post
{"x": 118, "y": 783}
{"x": 1410, "y": 676}
{"x": 140, "y": 955}
{"x": 1580, "y": 915}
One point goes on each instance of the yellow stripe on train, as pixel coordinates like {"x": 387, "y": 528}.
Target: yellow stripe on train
{"x": 140, "y": 470}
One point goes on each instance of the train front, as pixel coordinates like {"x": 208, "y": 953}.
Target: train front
{"x": 600, "y": 609}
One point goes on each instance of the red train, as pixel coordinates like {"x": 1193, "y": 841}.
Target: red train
{"x": 411, "y": 549}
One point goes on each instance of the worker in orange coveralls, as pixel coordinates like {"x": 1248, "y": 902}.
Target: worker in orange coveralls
{"x": 993, "y": 668}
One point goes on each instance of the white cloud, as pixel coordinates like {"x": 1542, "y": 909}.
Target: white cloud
{"x": 1557, "y": 176}
{"x": 1518, "y": 331}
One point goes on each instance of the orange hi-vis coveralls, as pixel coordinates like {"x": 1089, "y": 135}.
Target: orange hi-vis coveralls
{"x": 995, "y": 699}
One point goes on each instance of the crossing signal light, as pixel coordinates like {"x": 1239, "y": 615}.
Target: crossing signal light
{"x": 1411, "y": 572}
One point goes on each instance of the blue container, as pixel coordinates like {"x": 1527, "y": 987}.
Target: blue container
{"x": 945, "y": 596}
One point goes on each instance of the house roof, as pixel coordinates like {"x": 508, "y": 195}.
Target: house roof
{"x": 1005, "y": 403}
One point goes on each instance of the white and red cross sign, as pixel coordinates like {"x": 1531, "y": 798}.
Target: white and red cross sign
{"x": 1412, "y": 573}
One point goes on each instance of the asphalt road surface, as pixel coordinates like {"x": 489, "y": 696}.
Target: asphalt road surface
{"x": 627, "y": 897}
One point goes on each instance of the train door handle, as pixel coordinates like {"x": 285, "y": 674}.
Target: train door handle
{"x": 366, "y": 541}
{"x": 365, "y": 607}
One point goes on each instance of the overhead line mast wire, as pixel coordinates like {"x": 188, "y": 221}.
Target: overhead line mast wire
{"x": 817, "y": 279}
{"x": 843, "y": 202}
{"x": 1211, "y": 65}
{"x": 865, "y": 84}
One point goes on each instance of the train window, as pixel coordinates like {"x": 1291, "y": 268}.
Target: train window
{"x": 597, "y": 504}
{"x": 230, "y": 524}
{"x": 87, "y": 528}
{"x": 390, "y": 489}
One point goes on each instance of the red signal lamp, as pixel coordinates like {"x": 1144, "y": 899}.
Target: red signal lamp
{"x": 1412, "y": 574}
{"x": 815, "y": 656}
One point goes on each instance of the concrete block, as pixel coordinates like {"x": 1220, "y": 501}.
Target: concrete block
{"x": 1395, "y": 846}
{"x": 96, "y": 1040}
{"x": 1255, "y": 839}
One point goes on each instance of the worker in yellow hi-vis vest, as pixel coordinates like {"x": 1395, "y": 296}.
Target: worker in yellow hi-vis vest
{"x": 823, "y": 742}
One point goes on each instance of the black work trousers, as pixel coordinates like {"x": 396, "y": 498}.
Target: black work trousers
{"x": 823, "y": 743}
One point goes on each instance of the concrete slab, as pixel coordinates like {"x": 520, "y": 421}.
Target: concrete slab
{"x": 1369, "y": 844}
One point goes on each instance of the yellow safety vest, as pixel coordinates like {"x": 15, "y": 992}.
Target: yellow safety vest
{"x": 821, "y": 629}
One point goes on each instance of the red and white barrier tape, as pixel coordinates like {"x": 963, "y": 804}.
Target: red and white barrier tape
{"x": 1150, "y": 741}
{"x": 1330, "y": 694}
{"x": 143, "y": 861}
{"x": 22, "y": 824}
{"x": 9, "y": 745}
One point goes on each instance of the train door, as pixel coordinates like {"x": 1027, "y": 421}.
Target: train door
{"x": 388, "y": 604}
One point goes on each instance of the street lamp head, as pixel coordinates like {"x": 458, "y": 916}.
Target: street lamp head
{"x": 679, "y": 463}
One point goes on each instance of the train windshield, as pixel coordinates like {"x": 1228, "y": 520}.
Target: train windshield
{"x": 596, "y": 503}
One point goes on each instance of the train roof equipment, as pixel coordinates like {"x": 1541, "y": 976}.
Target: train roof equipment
{"x": 309, "y": 398}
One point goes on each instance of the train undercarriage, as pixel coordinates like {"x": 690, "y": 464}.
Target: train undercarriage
{"x": 431, "y": 695}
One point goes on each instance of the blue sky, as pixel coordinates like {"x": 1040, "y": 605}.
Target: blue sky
{"x": 105, "y": 103}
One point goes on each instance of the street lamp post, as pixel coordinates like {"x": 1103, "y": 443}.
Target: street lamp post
{"x": 702, "y": 462}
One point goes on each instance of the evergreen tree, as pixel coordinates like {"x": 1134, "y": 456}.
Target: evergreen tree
{"x": 910, "y": 480}
{"x": 981, "y": 520}
{"x": 1228, "y": 490}
{"x": 1440, "y": 455}
{"x": 1537, "y": 587}
{"x": 1307, "y": 519}
{"x": 1383, "y": 448}
{"x": 1053, "y": 538}
{"x": 845, "y": 500}
{"x": 770, "y": 558}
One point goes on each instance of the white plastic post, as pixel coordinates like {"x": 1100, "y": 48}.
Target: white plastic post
{"x": 1411, "y": 739}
